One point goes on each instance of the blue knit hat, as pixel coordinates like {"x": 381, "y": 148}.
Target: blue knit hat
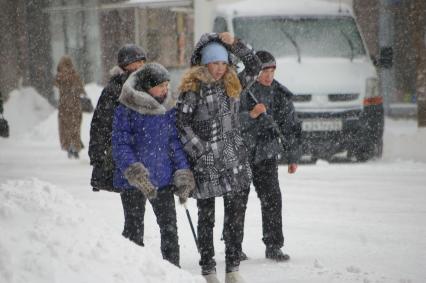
{"x": 214, "y": 52}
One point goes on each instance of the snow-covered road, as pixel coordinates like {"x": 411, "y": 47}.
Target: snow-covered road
{"x": 343, "y": 222}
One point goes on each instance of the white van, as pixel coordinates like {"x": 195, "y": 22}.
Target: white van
{"x": 322, "y": 58}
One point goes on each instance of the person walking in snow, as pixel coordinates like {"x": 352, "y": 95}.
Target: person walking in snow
{"x": 208, "y": 124}
{"x": 266, "y": 148}
{"x": 130, "y": 58}
{"x": 149, "y": 156}
{"x": 69, "y": 109}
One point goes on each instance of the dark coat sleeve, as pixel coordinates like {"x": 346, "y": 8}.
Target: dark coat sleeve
{"x": 101, "y": 125}
{"x": 249, "y": 127}
{"x": 252, "y": 64}
{"x": 288, "y": 122}
{"x": 99, "y": 129}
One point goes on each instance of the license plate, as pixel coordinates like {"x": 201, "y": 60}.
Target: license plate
{"x": 311, "y": 125}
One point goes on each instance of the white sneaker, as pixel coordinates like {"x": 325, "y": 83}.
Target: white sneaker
{"x": 234, "y": 277}
{"x": 211, "y": 278}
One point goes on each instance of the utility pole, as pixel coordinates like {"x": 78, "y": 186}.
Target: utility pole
{"x": 418, "y": 10}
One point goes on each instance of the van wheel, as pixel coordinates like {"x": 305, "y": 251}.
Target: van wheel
{"x": 362, "y": 155}
{"x": 368, "y": 151}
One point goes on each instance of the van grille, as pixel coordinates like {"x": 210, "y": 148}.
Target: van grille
{"x": 302, "y": 97}
{"x": 343, "y": 97}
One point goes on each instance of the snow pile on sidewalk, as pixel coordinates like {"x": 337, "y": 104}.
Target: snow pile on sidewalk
{"x": 47, "y": 236}
{"x": 403, "y": 140}
{"x": 31, "y": 117}
{"x": 25, "y": 109}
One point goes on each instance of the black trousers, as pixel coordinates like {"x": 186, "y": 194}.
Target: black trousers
{"x": 164, "y": 209}
{"x": 265, "y": 181}
{"x": 234, "y": 206}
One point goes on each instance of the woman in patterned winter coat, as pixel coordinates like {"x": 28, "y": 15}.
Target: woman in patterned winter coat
{"x": 207, "y": 120}
{"x": 69, "y": 109}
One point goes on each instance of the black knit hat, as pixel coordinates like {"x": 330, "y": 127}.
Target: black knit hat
{"x": 130, "y": 53}
{"x": 267, "y": 59}
{"x": 151, "y": 75}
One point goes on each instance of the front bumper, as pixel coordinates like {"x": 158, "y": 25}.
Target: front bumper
{"x": 358, "y": 128}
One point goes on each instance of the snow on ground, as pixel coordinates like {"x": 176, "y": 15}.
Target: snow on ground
{"x": 343, "y": 222}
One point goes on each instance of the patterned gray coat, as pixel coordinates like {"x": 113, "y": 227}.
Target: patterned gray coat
{"x": 209, "y": 128}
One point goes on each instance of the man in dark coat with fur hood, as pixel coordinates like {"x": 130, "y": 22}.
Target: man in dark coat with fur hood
{"x": 130, "y": 58}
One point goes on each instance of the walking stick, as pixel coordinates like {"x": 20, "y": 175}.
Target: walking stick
{"x": 192, "y": 226}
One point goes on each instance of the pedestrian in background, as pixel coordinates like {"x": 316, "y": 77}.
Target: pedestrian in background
{"x": 130, "y": 57}
{"x": 262, "y": 137}
{"x": 70, "y": 115}
{"x": 149, "y": 157}
{"x": 208, "y": 124}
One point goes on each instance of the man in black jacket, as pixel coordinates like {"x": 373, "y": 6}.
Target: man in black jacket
{"x": 271, "y": 129}
{"x": 130, "y": 58}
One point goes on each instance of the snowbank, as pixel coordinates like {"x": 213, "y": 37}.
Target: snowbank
{"x": 25, "y": 109}
{"x": 403, "y": 140}
{"x": 47, "y": 129}
{"x": 47, "y": 236}
{"x": 30, "y": 116}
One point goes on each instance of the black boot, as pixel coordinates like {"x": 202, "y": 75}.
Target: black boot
{"x": 243, "y": 256}
{"x": 276, "y": 254}
{"x": 70, "y": 154}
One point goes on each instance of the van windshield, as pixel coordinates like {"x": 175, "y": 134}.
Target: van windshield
{"x": 310, "y": 37}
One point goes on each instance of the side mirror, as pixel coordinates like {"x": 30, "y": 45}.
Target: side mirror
{"x": 385, "y": 58}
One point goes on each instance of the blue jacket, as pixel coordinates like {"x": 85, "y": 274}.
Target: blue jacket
{"x": 145, "y": 131}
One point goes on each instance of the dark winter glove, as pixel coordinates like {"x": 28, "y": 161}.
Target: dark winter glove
{"x": 185, "y": 183}
{"x": 138, "y": 176}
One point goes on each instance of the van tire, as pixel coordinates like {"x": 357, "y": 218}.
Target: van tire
{"x": 369, "y": 151}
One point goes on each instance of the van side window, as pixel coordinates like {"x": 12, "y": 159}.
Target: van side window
{"x": 220, "y": 25}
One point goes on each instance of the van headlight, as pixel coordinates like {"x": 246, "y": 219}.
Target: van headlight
{"x": 372, "y": 95}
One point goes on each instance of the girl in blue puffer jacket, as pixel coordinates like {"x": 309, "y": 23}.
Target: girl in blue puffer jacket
{"x": 149, "y": 158}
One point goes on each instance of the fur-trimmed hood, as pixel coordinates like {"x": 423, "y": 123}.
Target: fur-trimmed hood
{"x": 116, "y": 70}
{"x": 141, "y": 101}
{"x": 199, "y": 74}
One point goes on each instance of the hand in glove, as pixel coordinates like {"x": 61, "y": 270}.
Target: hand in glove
{"x": 138, "y": 176}
{"x": 185, "y": 184}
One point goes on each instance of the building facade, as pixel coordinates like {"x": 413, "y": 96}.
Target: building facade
{"x": 36, "y": 34}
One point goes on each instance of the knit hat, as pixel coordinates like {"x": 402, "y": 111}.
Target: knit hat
{"x": 151, "y": 75}
{"x": 267, "y": 59}
{"x": 214, "y": 52}
{"x": 130, "y": 53}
